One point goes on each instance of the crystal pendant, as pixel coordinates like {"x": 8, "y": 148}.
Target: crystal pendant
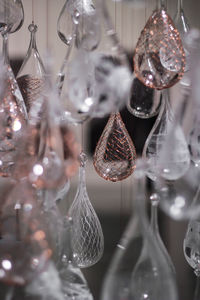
{"x": 139, "y": 269}
{"x": 12, "y": 120}
{"x": 144, "y": 102}
{"x": 31, "y": 75}
{"x": 74, "y": 284}
{"x": 166, "y": 148}
{"x": 93, "y": 83}
{"x": 24, "y": 249}
{"x": 115, "y": 155}
{"x": 159, "y": 58}
{"x": 11, "y": 16}
{"x": 87, "y": 240}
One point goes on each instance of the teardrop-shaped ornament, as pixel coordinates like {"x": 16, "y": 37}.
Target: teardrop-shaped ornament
{"x": 87, "y": 241}
{"x": 155, "y": 199}
{"x": 31, "y": 74}
{"x": 24, "y": 249}
{"x": 115, "y": 155}
{"x": 12, "y": 120}
{"x": 11, "y": 16}
{"x": 143, "y": 102}
{"x": 159, "y": 58}
{"x": 153, "y": 273}
{"x": 166, "y": 149}
{"x": 74, "y": 284}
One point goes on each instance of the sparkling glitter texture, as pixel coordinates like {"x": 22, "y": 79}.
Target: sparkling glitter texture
{"x": 115, "y": 154}
{"x": 159, "y": 58}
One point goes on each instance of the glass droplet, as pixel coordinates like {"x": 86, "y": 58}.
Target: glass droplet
{"x": 115, "y": 154}
{"x": 87, "y": 241}
{"x": 144, "y": 102}
{"x": 159, "y": 58}
{"x": 31, "y": 75}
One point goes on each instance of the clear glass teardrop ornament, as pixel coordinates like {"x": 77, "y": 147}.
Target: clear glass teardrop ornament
{"x": 191, "y": 245}
{"x": 155, "y": 199}
{"x": 166, "y": 149}
{"x": 180, "y": 20}
{"x": 31, "y": 74}
{"x": 11, "y": 16}
{"x": 12, "y": 120}
{"x": 74, "y": 284}
{"x": 24, "y": 250}
{"x": 159, "y": 60}
{"x": 144, "y": 102}
{"x": 87, "y": 241}
{"x": 133, "y": 275}
{"x": 115, "y": 156}
{"x": 95, "y": 79}
{"x": 180, "y": 199}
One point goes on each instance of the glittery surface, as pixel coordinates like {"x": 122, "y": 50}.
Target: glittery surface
{"x": 115, "y": 154}
{"x": 159, "y": 58}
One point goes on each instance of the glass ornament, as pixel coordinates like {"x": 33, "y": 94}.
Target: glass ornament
{"x": 94, "y": 81}
{"x": 191, "y": 251}
{"x": 115, "y": 156}
{"x": 144, "y": 102}
{"x": 87, "y": 241}
{"x": 74, "y": 284}
{"x": 159, "y": 58}
{"x": 155, "y": 229}
{"x": 139, "y": 270}
{"x": 180, "y": 199}
{"x": 49, "y": 151}
{"x": 180, "y": 20}
{"x": 12, "y": 120}
{"x": 166, "y": 149}
{"x": 31, "y": 74}
{"x": 24, "y": 250}
{"x": 11, "y": 16}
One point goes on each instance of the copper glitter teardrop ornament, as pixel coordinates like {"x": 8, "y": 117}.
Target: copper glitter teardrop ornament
{"x": 115, "y": 154}
{"x": 159, "y": 58}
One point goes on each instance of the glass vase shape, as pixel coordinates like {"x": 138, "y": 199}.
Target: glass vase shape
{"x": 115, "y": 156}
{"x": 31, "y": 74}
{"x": 94, "y": 80}
{"x": 12, "y": 120}
{"x": 24, "y": 250}
{"x": 11, "y": 16}
{"x": 139, "y": 267}
{"x": 144, "y": 102}
{"x": 159, "y": 60}
{"x": 166, "y": 148}
{"x": 87, "y": 241}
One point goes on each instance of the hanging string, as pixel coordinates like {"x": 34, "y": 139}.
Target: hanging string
{"x": 33, "y": 16}
{"x": 47, "y": 25}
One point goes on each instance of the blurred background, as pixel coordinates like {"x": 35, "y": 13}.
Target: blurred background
{"x": 112, "y": 201}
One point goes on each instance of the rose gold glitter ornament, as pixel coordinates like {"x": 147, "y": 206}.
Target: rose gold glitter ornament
{"x": 159, "y": 58}
{"x": 115, "y": 154}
